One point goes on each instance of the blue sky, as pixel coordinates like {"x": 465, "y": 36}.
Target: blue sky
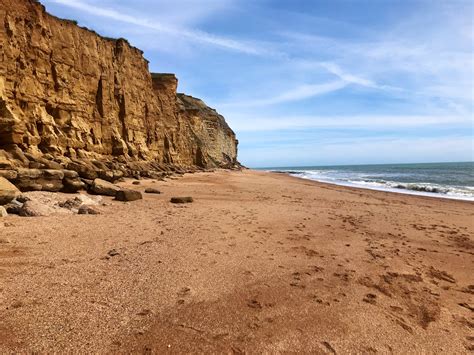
{"x": 308, "y": 82}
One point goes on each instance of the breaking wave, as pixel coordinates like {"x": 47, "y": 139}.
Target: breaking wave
{"x": 382, "y": 181}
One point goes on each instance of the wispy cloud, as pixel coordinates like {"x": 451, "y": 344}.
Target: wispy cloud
{"x": 299, "y": 93}
{"x": 242, "y": 123}
{"x": 190, "y": 34}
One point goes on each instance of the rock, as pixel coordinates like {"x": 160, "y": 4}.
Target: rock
{"x": 113, "y": 252}
{"x": 89, "y": 200}
{"x": 181, "y": 200}
{"x": 73, "y": 185}
{"x": 84, "y": 171}
{"x": 8, "y": 174}
{"x": 107, "y": 175}
{"x": 85, "y": 209}
{"x": 35, "y": 209}
{"x": 151, "y": 190}
{"x": 8, "y": 191}
{"x": 39, "y": 180}
{"x": 22, "y": 198}
{"x": 136, "y": 183}
{"x": 67, "y": 103}
{"x": 52, "y": 165}
{"x": 14, "y": 207}
{"x": 102, "y": 187}
{"x": 128, "y": 195}
{"x": 70, "y": 174}
{"x": 70, "y": 204}
{"x": 3, "y": 212}
{"x": 35, "y": 165}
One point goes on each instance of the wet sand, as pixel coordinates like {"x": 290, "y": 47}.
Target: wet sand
{"x": 259, "y": 262}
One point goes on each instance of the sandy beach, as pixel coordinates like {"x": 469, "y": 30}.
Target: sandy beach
{"x": 259, "y": 262}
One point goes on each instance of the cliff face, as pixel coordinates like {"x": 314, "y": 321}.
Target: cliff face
{"x": 71, "y": 97}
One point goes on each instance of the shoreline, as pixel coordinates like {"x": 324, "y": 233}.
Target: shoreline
{"x": 381, "y": 189}
{"x": 259, "y": 262}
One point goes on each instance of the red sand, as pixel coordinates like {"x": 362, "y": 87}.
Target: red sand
{"x": 259, "y": 262}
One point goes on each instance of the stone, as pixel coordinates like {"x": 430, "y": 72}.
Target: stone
{"x": 112, "y": 252}
{"x": 84, "y": 171}
{"x": 13, "y": 207}
{"x": 70, "y": 174}
{"x": 86, "y": 209}
{"x": 151, "y": 190}
{"x": 8, "y": 174}
{"x": 22, "y": 198}
{"x": 8, "y": 191}
{"x": 107, "y": 175}
{"x": 136, "y": 183}
{"x": 102, "y": 187}
{"x": 35, "y": 209}
{"x": 128, "y": 195}
{"x": 181, "y": 200}
{"x": 3, "y": 212}
{"x": 72, "y": 185}
{"x": 39, "y": 180}
{"x": 73, "y": 203}
{"x": 66, "y": 103}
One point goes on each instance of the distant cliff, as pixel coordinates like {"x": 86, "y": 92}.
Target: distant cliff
{"x": 70, "y": 98}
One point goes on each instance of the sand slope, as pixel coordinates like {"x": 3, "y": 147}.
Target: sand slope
{"x": 259, "y": 262}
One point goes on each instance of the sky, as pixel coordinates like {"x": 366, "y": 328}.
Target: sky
{"x": 312, "y": 82}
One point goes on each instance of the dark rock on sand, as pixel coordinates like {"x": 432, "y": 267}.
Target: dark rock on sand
{"x": 22, "y": 198}
{"x": 113, "y": 252}
{"x": 151, "y": 190}
{"x": 128, "y": 195}
{"x": 73, "y": 185}
{"x": 85, "y": 209}
{"x": 14, "y": 207}
{"x": 181, "y": 200}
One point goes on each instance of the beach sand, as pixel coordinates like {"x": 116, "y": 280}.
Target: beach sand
{"x": 259, "y": 262}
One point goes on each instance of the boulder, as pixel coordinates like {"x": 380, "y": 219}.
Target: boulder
{"x": 181, "y": 200}
{"x": 84, "y": 171}
{"x": 22, "y": 198}
{"x": 39, "y": 180}
{"x": 35, "y": 209}
{"x": 128, "y": 195}
{"x": 151, "y": 190}
{"x": 85, "y": 209}
{"x": 8, "y": 191}
{"x": 14, "y": 207}
{"x": 3, "y": 212}
{"x": 72, "y": 185}
{"x": 102, "y": 187}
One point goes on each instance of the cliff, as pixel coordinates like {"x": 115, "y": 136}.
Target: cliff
{"x": 71, "y": 99}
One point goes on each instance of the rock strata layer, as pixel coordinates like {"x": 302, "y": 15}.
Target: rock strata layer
{"x": 71, "y": 100}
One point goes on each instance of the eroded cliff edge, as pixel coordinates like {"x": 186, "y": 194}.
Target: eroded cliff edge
{"x": 71, "y": 99}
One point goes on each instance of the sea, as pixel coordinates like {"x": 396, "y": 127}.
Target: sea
{"x": 447, "y": 180}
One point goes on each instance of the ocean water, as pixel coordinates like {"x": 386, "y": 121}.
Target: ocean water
{"x": 449, "y": 180}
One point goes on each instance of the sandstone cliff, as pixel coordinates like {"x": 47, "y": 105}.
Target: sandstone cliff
{"x": 71, "y": 99}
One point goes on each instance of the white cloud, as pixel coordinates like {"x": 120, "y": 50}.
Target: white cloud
{"x": 247, "y": 123}
{"x": 190, "y": 34}
{"x": 299, "y": 93}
